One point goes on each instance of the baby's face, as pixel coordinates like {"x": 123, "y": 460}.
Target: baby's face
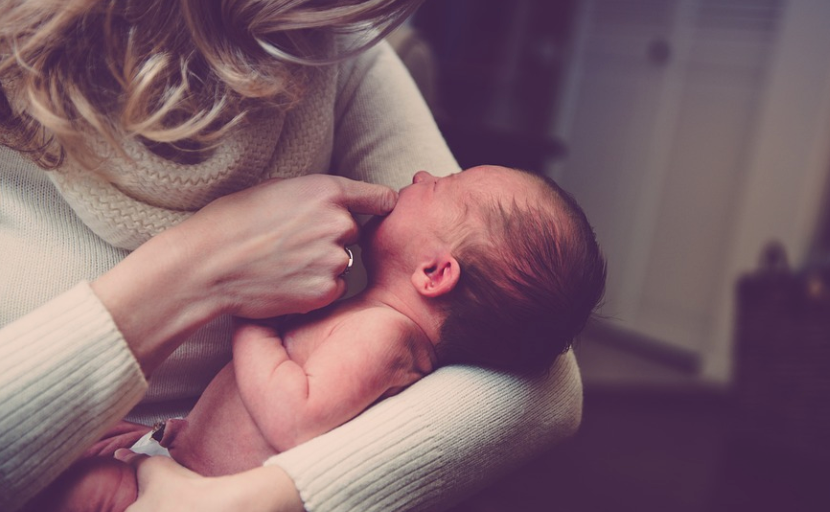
{"x": 433, "y": 208}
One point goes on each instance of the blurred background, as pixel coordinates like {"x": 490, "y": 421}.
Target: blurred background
{"x": 696, "y": 135}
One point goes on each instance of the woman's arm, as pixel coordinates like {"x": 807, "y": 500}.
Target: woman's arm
{"x": 66, "y": 375}
{"x": 439, "y": 441}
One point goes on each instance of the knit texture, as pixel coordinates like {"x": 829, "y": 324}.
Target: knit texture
{"x": 88, "y": 374}
{"x": 135, "y": 196}
{"x": 66, "y": 373}
{"x": 417, "y": 451}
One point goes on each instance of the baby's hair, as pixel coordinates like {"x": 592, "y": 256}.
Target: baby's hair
{"x": 528, "y": 284}
{"x": 167, "y": 72}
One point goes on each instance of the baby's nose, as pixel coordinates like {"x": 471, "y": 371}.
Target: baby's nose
{"x": 422, "y": 176}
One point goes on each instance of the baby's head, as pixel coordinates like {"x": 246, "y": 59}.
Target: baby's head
{"x": 508, "y": 256}
{"x": 529, "y": 280}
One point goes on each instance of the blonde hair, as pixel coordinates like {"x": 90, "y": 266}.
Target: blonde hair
{"x": 167, "y": 72}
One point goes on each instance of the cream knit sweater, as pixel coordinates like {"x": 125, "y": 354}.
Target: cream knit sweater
{"x": 66, "y": 373}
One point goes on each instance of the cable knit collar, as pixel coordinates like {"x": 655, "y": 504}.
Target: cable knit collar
{"x": 132, "y": 199}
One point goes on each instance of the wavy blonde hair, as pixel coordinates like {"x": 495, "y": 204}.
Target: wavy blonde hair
{"x": 167, "y": 72}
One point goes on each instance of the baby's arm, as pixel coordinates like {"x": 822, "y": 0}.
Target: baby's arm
{"x": 364, "y": 357}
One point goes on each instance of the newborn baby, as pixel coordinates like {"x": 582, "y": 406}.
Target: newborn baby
{"x": 490, "y": 266}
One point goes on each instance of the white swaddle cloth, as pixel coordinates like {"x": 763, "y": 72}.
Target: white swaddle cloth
{"x": 149, "y": 446}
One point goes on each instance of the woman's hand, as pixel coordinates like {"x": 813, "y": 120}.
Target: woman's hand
{"x": 270, "y": 250}
{"x": 278, "y": 248}
{"x": 165, "y": 485}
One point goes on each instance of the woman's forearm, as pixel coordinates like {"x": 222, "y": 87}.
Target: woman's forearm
{"x": 156, "y": 299}
{"x": 66, "y": 375}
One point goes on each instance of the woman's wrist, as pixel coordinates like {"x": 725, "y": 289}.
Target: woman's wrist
{"x": 266, "y": 489}
{"x": 165, "y": 485}
{"x": 157, "y": 297}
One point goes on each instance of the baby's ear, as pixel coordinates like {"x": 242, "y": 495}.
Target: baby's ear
{"x": 436, "y": 276}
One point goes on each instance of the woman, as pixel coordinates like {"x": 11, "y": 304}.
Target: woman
{"x": 163, "y": 124}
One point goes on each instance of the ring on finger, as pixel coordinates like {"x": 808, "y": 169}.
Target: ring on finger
{"x": 349, "y": 264}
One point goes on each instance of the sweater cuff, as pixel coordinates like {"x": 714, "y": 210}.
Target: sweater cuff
{"x": 66, "y": 376}
{"x": 352, "y": 469}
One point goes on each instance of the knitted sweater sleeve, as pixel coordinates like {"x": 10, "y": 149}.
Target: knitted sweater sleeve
{"x": 442, "y": 439}
{"x": 66, "y": 375}
{"x": 459, "y": 428}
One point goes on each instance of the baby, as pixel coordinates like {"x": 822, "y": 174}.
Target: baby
{"x": 490, "y": 266}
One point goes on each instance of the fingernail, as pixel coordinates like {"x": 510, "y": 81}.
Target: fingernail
{"x": 122, "y": 454}
{"x": 392, "y": 201}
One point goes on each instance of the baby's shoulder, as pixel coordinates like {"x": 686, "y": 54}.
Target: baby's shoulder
{"x": 398, "y": 336}
{"x": 379, "y": 333}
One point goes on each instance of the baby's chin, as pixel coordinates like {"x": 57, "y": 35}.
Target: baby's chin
{"x": 370, "y": 242}
{"x": 369, "y": 233}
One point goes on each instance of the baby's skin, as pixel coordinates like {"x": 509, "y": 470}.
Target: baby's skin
{"x": 286, "y": 384}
